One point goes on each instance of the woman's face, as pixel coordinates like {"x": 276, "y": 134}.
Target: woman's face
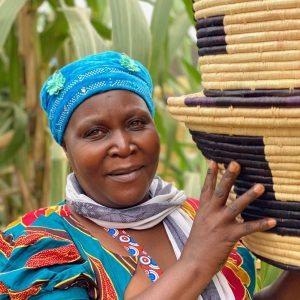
{"x": 113, "y": 147}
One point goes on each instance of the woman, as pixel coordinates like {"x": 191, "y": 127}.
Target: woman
{"x": 92, "y": 246}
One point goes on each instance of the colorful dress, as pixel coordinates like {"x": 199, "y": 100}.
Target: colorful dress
{"x": 48, "y": 253}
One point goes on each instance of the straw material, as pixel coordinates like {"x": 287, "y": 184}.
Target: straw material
{"x": 277, "y": 241}
{"x": 283, "y": 141}
{"x": 278, "y": 249}
{"x": 276, "y": 245}
{"x": 279, "y": 205}
{"x": 243, "y": 7}
{"x": 263, "y": 47}
{"x": 258, "y": 37}
{"x": 283, "y": 204}
{"x": 280, "y": 159}
{"x": 257, "y": 27}
{"x": 244, "y": 38}
{"x": 283, "y": 249}
{"x": 270, "y": 179}
{"x": 250, "y": 66}
{"x": 177, "y": 107}
{"x": 269, "y": 150}
{"x": 242, "y": 102}
{"x": 289, "y": 227}
{"x": 262, "y": 16}
{"x": 276, "y": 56}
{"x": 265, "y": 26}
{"x": 231, "y": 112}
{"x": 286, "y": 197}
{"x": 278, "y": 132}
{"x": 253, "y": 93}
{"x": 242, "y": 121}
{"x": 211, "y": 3}
{"x": 251, "y": 76}
{"x": 268, "y": 84}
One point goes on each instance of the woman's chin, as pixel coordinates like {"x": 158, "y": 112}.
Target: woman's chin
{"x": 124, "y": 201}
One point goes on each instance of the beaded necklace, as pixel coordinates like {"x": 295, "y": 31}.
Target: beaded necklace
{"x": 134, "y": 249}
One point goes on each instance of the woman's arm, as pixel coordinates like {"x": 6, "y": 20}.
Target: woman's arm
{"x": 213, "y": 235}
{"x": 286, "y": 287}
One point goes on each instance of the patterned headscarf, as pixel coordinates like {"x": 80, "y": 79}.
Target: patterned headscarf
{"x": 68, "y": 87}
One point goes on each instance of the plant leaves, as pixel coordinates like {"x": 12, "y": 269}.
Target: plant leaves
{"x": 177, "y": 32}
{"x": 159, "y": 30}
{"x": 268, "y": 274}
{"x": 189, "y": 9}
{"x": 58, "y": 31}
{"x": 8, "y": 12}
{"x": 85, "y": 38}
{"x": 130, "y": 31}
{"x": 19, "y": 127}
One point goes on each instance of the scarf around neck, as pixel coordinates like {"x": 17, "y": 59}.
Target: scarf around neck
{"x": 164, "y": 206}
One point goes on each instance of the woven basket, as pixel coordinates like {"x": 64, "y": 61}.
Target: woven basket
{"x": 249, "y": 111}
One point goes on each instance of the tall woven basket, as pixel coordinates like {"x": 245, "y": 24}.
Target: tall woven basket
{"x": 249, "y": 110}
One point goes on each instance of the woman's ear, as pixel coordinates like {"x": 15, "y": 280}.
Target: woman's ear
{"x": 64, "y": 146}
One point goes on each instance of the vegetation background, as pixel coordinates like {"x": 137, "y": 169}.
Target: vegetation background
{"x": 39, "y": 36}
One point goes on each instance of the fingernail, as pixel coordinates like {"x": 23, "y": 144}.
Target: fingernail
{"x": 271, "y": 222}
{"x": 258, "y": 188}
{"x": 212, "y": 164}
{"x": 234, "y": 166}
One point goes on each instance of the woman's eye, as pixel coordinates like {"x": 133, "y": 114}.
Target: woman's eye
{"x": 136, "y": 124}
{"x": 95, "y": 133}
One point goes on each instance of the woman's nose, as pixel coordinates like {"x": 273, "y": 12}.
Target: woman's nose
{"x": 122, "y": 144}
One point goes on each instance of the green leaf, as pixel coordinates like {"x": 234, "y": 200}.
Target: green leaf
{"x": 193, "y": 74}
{"x": 19, "y": 127}
{"x": 189, "y": 9}
{"x": 192, "y": 184}
{"x": 85, "y": 38}
{"x": 268, "y": 274}
{"x": 100, "y": 11}
{"x": 8, "y": 12}
{"x": 58, "y": 32}
{"x": 15, "y": 70}
{"x": 159, "y": 30}
{"x": 160, "y": 111}
{"x": 130, "y": 31}
{"x": 177, "y": 32}
{"x": 6, "y": 121}
{"x": 102, "y": 29}
{"x": 58, "y": 173}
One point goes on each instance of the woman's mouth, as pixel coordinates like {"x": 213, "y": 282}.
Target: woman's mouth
{"x": 126, "y": 174}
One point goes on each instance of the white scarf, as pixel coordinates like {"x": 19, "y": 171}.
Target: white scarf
{"x": 164, "y": 206}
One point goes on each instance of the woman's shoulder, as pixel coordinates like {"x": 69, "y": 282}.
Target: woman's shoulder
{"x": 44, "y": 216}
{"x": 49, "y": 251}
{"x": 37, "y": 253}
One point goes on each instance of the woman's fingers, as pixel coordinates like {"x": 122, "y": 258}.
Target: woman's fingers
{"x": 209, "y": 183}
{"x": 255, "y": 226}
{"x": 238, "y": 205}
{"x": 223, "y": 188}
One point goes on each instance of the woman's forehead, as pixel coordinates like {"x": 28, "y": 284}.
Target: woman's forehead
{"x": 111, "y": 104}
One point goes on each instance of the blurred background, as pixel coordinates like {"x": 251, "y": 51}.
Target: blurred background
{"x": 37, "y": 37}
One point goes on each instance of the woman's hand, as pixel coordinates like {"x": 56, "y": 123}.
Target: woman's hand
{"x": 216, "y": 230}
{"x": 214, "y": 233}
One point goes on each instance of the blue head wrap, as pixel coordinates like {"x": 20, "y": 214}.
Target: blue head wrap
{"x": 76, "y": 82}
